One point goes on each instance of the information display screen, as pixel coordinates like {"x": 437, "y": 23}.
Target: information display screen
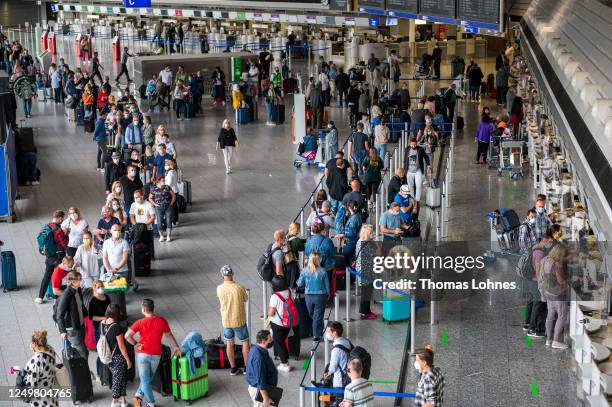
{"x": 407, "y": 6}
{"x": 380, "y": 4}
{"x": 438, "y": 8}
{"x": 484, "y": 11}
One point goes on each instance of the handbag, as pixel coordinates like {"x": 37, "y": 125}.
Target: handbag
{"x": 62, "y": 377}
{"x": 275, "y": 393}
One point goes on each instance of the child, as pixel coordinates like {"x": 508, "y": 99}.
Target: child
{"x": 41, "y": 87}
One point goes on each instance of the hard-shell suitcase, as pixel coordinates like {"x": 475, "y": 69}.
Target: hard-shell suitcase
{"x": 509, "y": 219}
{"x": 80, "y": 378}
{"x": 162, "y": 380}
{"x": 217, "y": 356}
{"x": 40, "y": 95}
{"x": 185, "y": 385}
{"x": 396, "y": 307}
{"x": 244, "y": 115}
{"x": 80, "y": 115}
{"x": 184, "y": 188}
{"x": 289, "y": 85}
{"x": 460, "y": 123}
{"x": 305, "y": 321}
{"x": 278, "y": 114}
{"x": 141, "y": 259}
{"x": 9, "y": 272}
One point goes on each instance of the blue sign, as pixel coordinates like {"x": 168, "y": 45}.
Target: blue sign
{"x": 53, "y": 8}
{"x": 137, "y": 3}
{"x": 374, "y": 21}
{"x": 469, "y": 29}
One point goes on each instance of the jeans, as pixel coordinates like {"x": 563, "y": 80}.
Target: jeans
{"x": 268, "y": 106}
{"x": 415, "y": 182}
{"x": 475, "y": 92}
{"x": 77, "y": 340}
{"x": 164, "y": 217}
{"x": 358, "y": 157}
{"x": 381, "y": 149}
{"x": 335, "y": 204}
{"x": 285, "y": 71}
{"x": 29, "y": 166}
{"x": 315, "y": 304}
{"x": 101, "y": 154}
{"x": 178, "y": 106}
{"x": 57, "y": 95}
{"x": 228, "y": 152}
{"x": 27, "y": 106}
{"x": 186, "y": 108}
{"x": 147, "y": 366}
{"x": 555, "y": 320}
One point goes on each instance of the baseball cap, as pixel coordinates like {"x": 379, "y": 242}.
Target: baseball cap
{"x": 227, "y": 271}
{"x": 404, "y": 190}
{"x": 116, "y": 154}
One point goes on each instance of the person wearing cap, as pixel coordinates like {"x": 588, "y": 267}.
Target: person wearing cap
{"x": 115, "y": 169}
{"x": 392, "y": 227}
{"x": 407, "y": 206}
{"x": 150, "y": 331}
{"x": 232, "y": 298}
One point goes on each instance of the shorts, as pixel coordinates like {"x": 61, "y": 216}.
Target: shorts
{"x": 242, "y": 333}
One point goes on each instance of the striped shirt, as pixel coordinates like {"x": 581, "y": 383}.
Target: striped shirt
{"x": 359, "y": 392}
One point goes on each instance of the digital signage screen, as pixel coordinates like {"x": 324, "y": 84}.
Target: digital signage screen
{"x": 378, "y": 4}
{"x": 438, "y": 8}
{"x": 484, "y": 11}
{"x": 406, "y": 6}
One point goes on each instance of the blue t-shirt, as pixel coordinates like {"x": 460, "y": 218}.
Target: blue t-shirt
{"x": 390, "y": 221}
{"x": 159, "y": 161}
{"x": 404, "y": 203}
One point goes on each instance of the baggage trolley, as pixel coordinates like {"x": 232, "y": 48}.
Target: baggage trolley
{"x": 502, "y": 242}
{"x": 511, "y": 158}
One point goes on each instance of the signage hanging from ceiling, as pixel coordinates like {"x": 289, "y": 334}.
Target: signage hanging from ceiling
{"x": 485, "y": 11}
{"x": 137, "y": 3}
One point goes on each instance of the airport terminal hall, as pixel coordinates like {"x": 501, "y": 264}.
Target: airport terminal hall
{"x": 309, "y": 203}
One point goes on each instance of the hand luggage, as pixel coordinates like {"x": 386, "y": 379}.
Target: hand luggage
{"x": 509, "y": 219}
{"x": 278, "y": 114}
{"x": 396, "y": 307}
{"x": 9, "y": 272}
{"x": 184, "y": 188}
{"x": 244, "y": 115}
{"x": 118, "y": 297}
{"x": 340, "y": 272}
{"x": 304, "y": 317}
{"x": 181, "y": 203}
{"x": 216, "y": 355}
{"x": 289, "y": 85}
{"x": 141, "y": 259}
{"x": 80, "y": 377}
{"x": 460, "y": 123}
{"x": 40, "y": 95}
{"x": 162, "y": 380}
{"x": 90, "y": 338}
{"x": 185, "y": 385}
{"x": 80, "y": 115}
{"x": 71, "y": 114}
{"x": 415, "y": 230}
{"x": 89, "y": 125}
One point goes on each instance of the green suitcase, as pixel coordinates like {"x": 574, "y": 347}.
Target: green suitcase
{"x": 185, "y": 386}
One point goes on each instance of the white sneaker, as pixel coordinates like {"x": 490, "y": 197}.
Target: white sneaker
{"x": 35, "y": 182}
{"x": 168, "y": 238}
{"x": 284, "y": 368}
{"x": 161, "y": 238}
{"x": 559, "y": 345}
{"x": 39, "y": 301}
{"x": 548, "y": 343}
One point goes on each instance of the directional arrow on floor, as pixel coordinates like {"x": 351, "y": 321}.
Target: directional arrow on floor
{"x": 528, "y": 341}
{"x": 534, "y": 388}
{"x": 444, "y": 338}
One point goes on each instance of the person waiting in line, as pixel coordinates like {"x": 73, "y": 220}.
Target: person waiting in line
{"x": 338, "y": 359}
{"x": 86, "y": 260}
{"x": 71, "y": 310}
{"x": 365, "y": 251}
{"x": 74, "y": 227}
{"x": 517, "y": 114}
{"x": 150, "y": 330}
{"x": 430, "y": 387}
{"x": 97, "y": 309}
{"x": 554, "y": 288}
{"x": 358, "y": 147}
{"x": 395, "y": 184}
{"x": 113, "y": 171}
{"x": 381, "y": 137}
{"x": 483, "y": 137}
{"x": 116, "y": 192}
{"x": 331, "y": 140}
{"x": 277, "y": 308}
{"x": 106, "y": 222}
{"x": 163, "y": 198}
{"x": 371, "y": 166}
{"x": 59, "y": 278}
{"x": 295, "y": 245}
{"x": 359, "y": 392}
{"x": 416, "y": 163}
{"x": 120, "y": 362}
{"x": 54, "y": 251}
{"x": 349, "y": 235}
{"x": 159, "y": 161}
{"x": 355, "y": 195}
{"x": 392, "y": 227}
{"x": 118, "y": 212}
{"x": 543, "y": 222}
{"x": 324, "y": 215}
{"x": 536, "y": 309}
{"x": 232, "y": 298}
{"x": 315, "y": 281}
{"x": 278, "y": 258}
{"x": 408, "y": 208}
{"x": 527, "y": 235}
{"x": 319, "y": 199}
{"x": 40, "y": 370}
{"x": 171, "y": 180}
{"x": 319, "y": 242}
{"x": 336, "y": 179}
{"x": 428, "y": 138}
{"x": 260, "y": 370}
{"x": 115, "y": 253}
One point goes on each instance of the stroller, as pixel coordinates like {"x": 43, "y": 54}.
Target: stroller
{"x": 306, "y": 151}
{"x": 423, "y": 66}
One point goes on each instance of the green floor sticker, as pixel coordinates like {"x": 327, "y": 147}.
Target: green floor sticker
{"x": 534, "y": 388}
{"x": 509, "y": 188}
{"x": 306, "y": 364}
{"x": 377, "y": 381}
{"x": 523, "y": 312}
{"x": 509, "y": 200}
{"x": 444, "y": 338}
{"x": 528, "y": 341}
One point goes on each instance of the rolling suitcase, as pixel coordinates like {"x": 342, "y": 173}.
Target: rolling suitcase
{"x": 141, "y": 259}
{"x": 185, "y": 385}
{"x": 80, "y": 377}
{"x": 80, "y": 115}
{"x": 40, "y": 95}
{"x": 184, "y": 188}
{"x": 305, "y": 322}
{"x": 289, "y": 85}
{"x": 244, "y": 115}
{"x": 118, "y": 297}
{"x": 9, "y": 272}
{"x": 162, "y": 380}
{"x": 216, "y": 355}
{"x": 460, "y": 123}
{"x": 396, "y": 307}
{"x": 278, "y": 114}
{"x": 89, "y": 126}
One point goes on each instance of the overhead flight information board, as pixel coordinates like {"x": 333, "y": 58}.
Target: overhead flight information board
{"x": 484, "y": 11}
{"x": 438, "y": 8}
{"x": 406, "y": 6}
{"x": 376, "y": 4}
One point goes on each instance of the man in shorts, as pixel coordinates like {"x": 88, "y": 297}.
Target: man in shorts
{"x": 233, "y": 297}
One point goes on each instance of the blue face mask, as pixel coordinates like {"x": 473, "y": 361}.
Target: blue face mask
{"x": 540, "y": 210}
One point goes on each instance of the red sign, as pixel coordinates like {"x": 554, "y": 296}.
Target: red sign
{"x": 178, "y": 13}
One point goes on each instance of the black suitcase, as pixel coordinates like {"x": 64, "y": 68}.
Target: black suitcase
{"x": 415, "y": 230}
{"x": 80, "y": 377}
{"x": 141, "y": 259}
{"x": 162, "y": 380}
{"x": 119, "y": 299}
{"x": 460, "y": 123}
{"x": 106, "y": 377}
{"x": 217, "y": 355}
{"x": 80, "y": 115}
{"x": 305, "y": 322}
{"x": 89, "y": 126}
{"x": 9, "y": 271}
{"x": 278, "y": 114}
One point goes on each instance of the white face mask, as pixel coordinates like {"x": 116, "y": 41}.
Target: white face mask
{"x": 118, "y": 190}
{"x": 74, "y": 216}
{"x": 417, "y": 366}
{"x": 329, "y": 337}
{"x": 100, "y": 290}
{"x": 167, "y": 168}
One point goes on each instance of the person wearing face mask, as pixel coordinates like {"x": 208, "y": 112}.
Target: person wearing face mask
{"x": 162, "y": 198}
{"x": 165, "y": 140}
{"x": 159, "y": 161}
{"x": 114, "y": 171}
{"x": 40, "y": 369}
{"x": 60, "y": 273}
{"x": 277, "y": 308}
{"x": 359, "y": 392}
{"x": 331, "y": 140}
{"x": 430, "y": 387}
{"x": 408, "y": 209}
{"x": 134, "y": 161}
{"x": 74, "y": 226}
{"x": 115, "y": 192}
{"x": 428, "y": 138}
{"x": 130, "y": 183}
{"x": 97, "y": 306}
{"x": 542, "y": 222}
{"x": 115, "y": 253}
{"x": 106, "y": 222}
{"x": 117, "y": 211}
{"x": 86, "y": 260}
{"x": 349, "y": 234}
{"x": 392, "y": 227}
{"x": 70, "y": 313}
{"x": 416, "y": 163}
{"x": 381, "y": 137}
{"x": 338, "y": 359}
{"x": 132, "y": 137}
{"x": 260, "y": 370}
{"x": 527, "y": 234}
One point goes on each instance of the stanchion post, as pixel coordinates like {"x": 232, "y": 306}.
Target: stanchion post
{"x": 325, "y": 342}
{"x": 264, "y": 297}
{"x": 377, "y": 231}
{"x": 302, "y": 221}
{"x": 313, "y": 374}
{"x": 248, "y": 313}
{"x": 412, "y": 323}
{"x": 432, "y": 312}
{"x": 347, "y": 278}
{"x": 336, "y": 307}
{"x": 302, "y": 396}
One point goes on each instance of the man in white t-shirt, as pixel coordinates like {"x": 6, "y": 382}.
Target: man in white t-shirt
{"x": 165, "y": 75}
{"x": 142, "y": 211}
{"x": 115, "y": 252}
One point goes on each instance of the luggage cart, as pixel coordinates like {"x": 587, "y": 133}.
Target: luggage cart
{"x": 502, "y": 242}
{"x": 511, "y": 158}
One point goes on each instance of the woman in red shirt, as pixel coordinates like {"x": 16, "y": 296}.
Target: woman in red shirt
{"x": 102, "y": 98}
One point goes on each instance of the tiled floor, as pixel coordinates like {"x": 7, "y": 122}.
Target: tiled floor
{"x": 485, "y": 361}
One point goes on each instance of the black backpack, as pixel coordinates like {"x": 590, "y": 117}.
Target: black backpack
{"x": 265, "y": 265}
{"x": 366, "y": 360}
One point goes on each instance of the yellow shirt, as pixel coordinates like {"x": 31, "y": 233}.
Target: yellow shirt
{"x": 232, "y": 297}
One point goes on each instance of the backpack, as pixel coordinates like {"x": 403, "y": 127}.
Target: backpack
{"x": 366, "y": 360}
{"x": 265, "y": 265}
{"x": 343, "y": 372}
{"x": 291, "y": 314}
{"x": 103, "y": 348}
{"x": 46, "y": 240}
{"x": 525, "y": 268}
{"x": 142, "y": 90}
{"x": 341, "y": 218}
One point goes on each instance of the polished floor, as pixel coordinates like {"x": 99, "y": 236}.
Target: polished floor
{"x": 485, "y": 359}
